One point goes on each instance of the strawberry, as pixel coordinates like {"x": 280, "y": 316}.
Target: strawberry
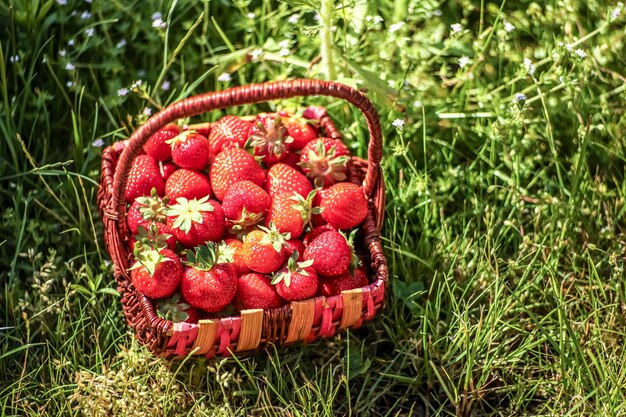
{"x": 263, "y": 249}
{"x": 166, "y": 169}
{"x": 292, "y": 159}
{"x": 294, "y": 245}
{"x": 245, "y": 204}
{"x": 187, "y": 183}
{"x": 269, "y": 138}
{"x": 195, "y": 222}
{"x": 227, "y": 132}
{"x": 143, "y": 177}
{"x": 329, "y": 286}
{"x": 301, "y": 131}
{"x": 325, "y": 161}
{"x": 309, "y": 237}
{"x": 290, "y": 213}
{"x": 156, "y": 145}
{"x": 203, "y": 128}
{"x": 331, "y": 254}
{"x": 297, "y": 280}
{"x": 231, "y": 251}
{"x": 145, "y": 210}
{"x": 190, "y": 150}
{"x": 156, "y": 273}
{"x": 344, "y": 205}
{"x": 207, "y": 284}
{"x": 283, "y": 179}
{"x": 154, "y": 234}
{"x": 177, "y": 310}
{"x": 232, "y": 166}
{"x": 256, "y": 291}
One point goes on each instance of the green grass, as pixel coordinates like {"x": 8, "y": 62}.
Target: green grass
{"x": 505, "y": 219}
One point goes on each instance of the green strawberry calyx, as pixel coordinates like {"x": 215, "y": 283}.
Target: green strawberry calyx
{"x": 305, "y": 206}
{"x": 188, "y": 212}
{"x": 323, "y": 164}
{"x": 355, "y": 261}
{"x": 202, "y": 257}
{"x": 148, "y": 258}
{"x": 180, "y": 138}
{"x": 225, "y": 253}
{"x": 293, "y": 267}
{"x": 272, "y": 138}
{"x": 153, "y": 207}
{"x": 274, "y": 237}
{"x": 150, "y": 237}
{"x": 246, "y": 220}
{"x": 173, "y": 309}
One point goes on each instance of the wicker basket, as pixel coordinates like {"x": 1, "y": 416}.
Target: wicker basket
{"x": 252, "y": 329}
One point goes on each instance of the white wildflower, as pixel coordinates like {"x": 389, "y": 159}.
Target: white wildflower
{"x": 122, "y": 92}
{"x": 70, "y": 67}
{"x": 90, "y": 32}
{"x": 398, "y": 124}
{"x": 165, "y": 86}
{"x": 284, "y": 52}
{"x": 508, "y": 26}
{"x": 520, "y": 97}
{"x": 62, "y": 52}
{"x": 417, "y": 104}
{"x": 317, "y": 17}
{"x": 121, "y": 43}
{"x": 438, "y": 12}
{"x": 147, "y": 111}
{"x": 71, "y": 42}
{"x": 88, "y": 1}
{"x": 136, "y": 84}
{"x": 256, "y": 54}
{"x": 581, "y": 54}
{"x": 284, "y": 43}
{"x": 529, "y": 66}
{"x": 85, "y": 15}
{"x": 13, "y": 59}
{"x": 157, "y": 21}
{"x": 293, "y": 19}
{"x": 70, "y": 84}
{"x": 251, "y": 15}
{"x": 62, "y": 2}
{"x": 617, "y": 11}
{"x": 378, "y": 19}
{"x": 396, "y": 27}
{"x": 463, "y": 61}
{"x": 98, "y": 143}
{"x": 569, "y": 47}
{"x": 456, "y": 27}
{"x": 224, "y": 77}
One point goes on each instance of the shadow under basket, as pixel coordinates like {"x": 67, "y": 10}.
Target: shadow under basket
{"x": 301, "y": 321}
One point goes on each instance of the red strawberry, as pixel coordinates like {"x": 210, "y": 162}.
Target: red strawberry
{"x": 301, "y": 131}
{"x": 316, "y": 219}
{"x": 146, "y": 209}
{"x": 292, "y": 159}
{"x": 231, "y": 251}
{"x": 167, "y": 169}
{"x": 187, "y": 183}
{"x": 344, "y": 205}
{"x": 329, "y": 286}
{"x": 325, "y": 161}
{"x": 263, "y": 249}
{"x": 195, "y": 222}
{"x": 227, "y": 132}
{"x": 190, "y": 150}
{"x": 291, "y": 213}
{"x": 203, "y": 129}
{"x": 269, "y": 138}
{"x": 331, "y": 254}
{"x": 177, "y": 310}
{"x": 283, "y": 179}
{"x": 154, "y": 234}
{"x": 296, "y": 281}
{"x": 256, "y": 291}
{"x": 232, "y": 166}
{"x": 245, "y": 204}
{"x": 294, "y": 245}
{"x": 156, "y": 145}
{"x": 156, "y": 273}
{"x": 143, "y": 177}
{"x": 309, "y": 237}
{"x": 207, "y": 284}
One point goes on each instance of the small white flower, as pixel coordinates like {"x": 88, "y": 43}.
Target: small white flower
{"x": 90, "y": 32}
{"x": 438, "y": 12}
{"x": 107, "y": 262}
{"x": 88, "y": 1}
{"x": 121, "y": 43}
{"x": 396, "y": 27}
{"x": 136, "y": 84}
{"x": 256, "y": 54}
{"x": 71, "y": 42}
{"x": 147, "y": 111}
{"x": 224, "y": 77}
{"x": 251, "y": 15}
{"x": 368, "y": 18}
{"x": 317, "y": 17}
{"x": 391, "y": 84}
{"x": 62, "y": 52}
{"x": 85, "y": 15}
{"x": 398, "y": 124}
{"x": 417, "y": 104}
{"x": 62, "y": 2}
{"x": 284, "y": 52}
{"x": 156, "y": 15}
{"x": 581, "y": 54}
{"x": 165, "y": 86}
{"x": 122, "y": 91}
{"x": 157, "y": 21}
{"x": 569, "y": 47}
{"x": 520, "y": 97}
{"x": 13, "y": 59}
{"x": 378, "y": 19}
{"x": 74, "y": 13}
{"x": 284, "y": 43}
{"x": 508, "y": 26}
{"x": 617, "y": 11}
{"x": 293, "y": 19}
{"x": 70, "y": 67}
{"x": 70, "y": 84}
{"x": 98, "y": 143}
{"x": 456, "y": 27}
{"x": 529, "y": 66}
{"x": 463, "y": 61}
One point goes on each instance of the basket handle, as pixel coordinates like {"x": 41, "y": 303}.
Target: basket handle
{"x": 249, "y": 94}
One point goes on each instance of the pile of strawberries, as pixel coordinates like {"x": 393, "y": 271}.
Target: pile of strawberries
{"x": 244, "y": 213}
